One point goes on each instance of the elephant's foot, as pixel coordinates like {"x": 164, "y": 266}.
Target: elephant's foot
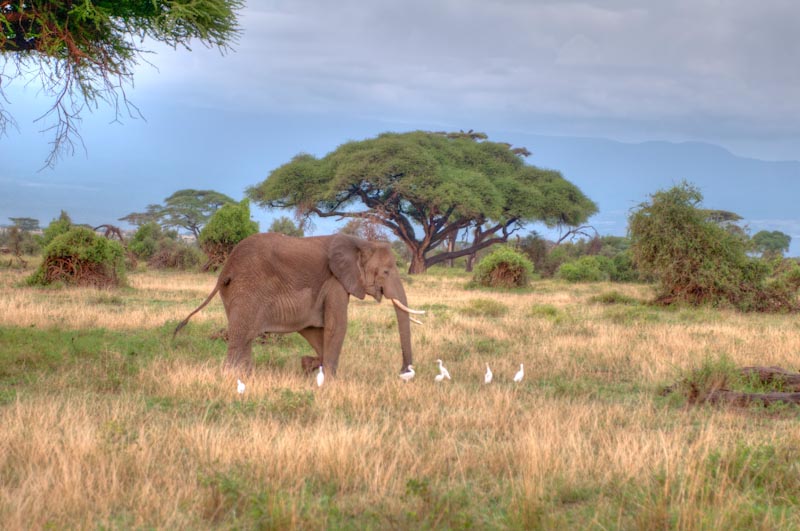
{"x": 310, "y": 364}
{"x": 238, "y": 366}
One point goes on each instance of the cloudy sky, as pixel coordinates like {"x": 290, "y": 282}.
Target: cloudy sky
{"x": 308, "y": 75}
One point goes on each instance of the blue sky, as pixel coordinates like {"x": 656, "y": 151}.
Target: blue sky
{"x": 308, "y": 75}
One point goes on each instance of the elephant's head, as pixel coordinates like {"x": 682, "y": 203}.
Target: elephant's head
{"x": 369, "y": 268}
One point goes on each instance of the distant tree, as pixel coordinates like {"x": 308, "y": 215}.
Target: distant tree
{"x": 227, "y": 227}
{"x": 153, "y": 214}
{"x": 284, "y": 225}
{"x": 84, "y": 52}
{"x": 188, "y": 209}
{"x": 424, "y": 187}
{"x": 771, "y": 244}
{"x": 25, "y": 224}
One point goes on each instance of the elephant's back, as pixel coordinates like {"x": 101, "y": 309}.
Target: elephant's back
{"x": 279, "y": 257}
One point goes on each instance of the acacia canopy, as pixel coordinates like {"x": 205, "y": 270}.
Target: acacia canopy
{"x": 83, "y": 51}
{"x": 427, "y": 187}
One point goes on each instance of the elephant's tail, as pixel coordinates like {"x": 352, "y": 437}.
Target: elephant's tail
{"x": 203, "y": 305}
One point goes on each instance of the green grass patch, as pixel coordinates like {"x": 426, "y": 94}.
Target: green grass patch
{"x": 484, "y": 308}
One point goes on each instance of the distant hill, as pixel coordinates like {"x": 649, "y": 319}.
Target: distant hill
{"x": 619, "y": 176}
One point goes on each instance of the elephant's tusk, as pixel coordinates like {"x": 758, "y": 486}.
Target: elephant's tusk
{"x": 406, "y": 308}
{"x": 414, "y": 320}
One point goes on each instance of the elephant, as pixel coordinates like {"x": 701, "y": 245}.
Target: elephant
{"x": 280, "y": 284}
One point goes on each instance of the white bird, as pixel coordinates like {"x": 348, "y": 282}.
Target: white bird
{"x": 239, "y": 386}
{"x": 487, "y": 378}
{"x": 520, "y": 374}
{"x": 320, "y": 377}
{"x": 443, "y": 372}
{"x": 408, "y": 375}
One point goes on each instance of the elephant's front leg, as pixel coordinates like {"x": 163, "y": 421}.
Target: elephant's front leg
{"x": 335, "y": 327}
{"x": 315, "y": 337}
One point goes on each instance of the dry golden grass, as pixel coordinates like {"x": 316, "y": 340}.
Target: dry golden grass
{"x": 584, "y": 442}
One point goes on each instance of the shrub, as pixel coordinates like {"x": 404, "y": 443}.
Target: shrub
{"x": 83, "y": 258}
{"x": 699, "y": 261}
{"x": 504, "y": 268}
{"x": 228, "y": 226}
{"x": 174, "y": 254}
{"x": 144, "y": 242}
{"x": 587, "y": 269}
{"x": 56, "y": 228}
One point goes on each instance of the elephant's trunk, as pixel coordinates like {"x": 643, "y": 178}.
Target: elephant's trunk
{"x": 403, "y": 324}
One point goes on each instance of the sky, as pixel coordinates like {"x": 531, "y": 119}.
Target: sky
{"x": 309, "y": 75}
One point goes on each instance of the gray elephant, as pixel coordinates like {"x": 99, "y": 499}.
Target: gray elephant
{"x": 276, "y": 283}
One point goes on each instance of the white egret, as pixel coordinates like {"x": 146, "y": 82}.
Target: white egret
{"x": 520, "y": 374}
{"x": 320, "y": 377}
{"x": 239, "y": 386}
{"x": 487, "y": 378}
{"x": 408, "y": 375}
{"x": 443, "y": 372}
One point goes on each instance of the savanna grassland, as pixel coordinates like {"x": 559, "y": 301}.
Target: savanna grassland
{"x": 105, "y": 422}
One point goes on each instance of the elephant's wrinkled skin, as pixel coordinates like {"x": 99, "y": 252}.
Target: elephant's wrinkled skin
{"x": 276, "y": 283}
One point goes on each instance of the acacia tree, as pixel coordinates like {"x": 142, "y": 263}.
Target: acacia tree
{"x": 188, "y": 209}
{"x": 84, "y": 51}
{"x": 771, "y": 244}
{"x": 426, "y": 187}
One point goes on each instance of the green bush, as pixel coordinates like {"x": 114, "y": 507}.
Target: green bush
{"x": 56, "y": 228}
{"x": 588, "y": 269}
{"x": 698, "y": 260}
{"x": 504, "y": 268}
{"x": 175, "y": 254}
{"x": 144, "y": 242}
{"x": 83, "y": 258}
{"x": 228, "y": 226}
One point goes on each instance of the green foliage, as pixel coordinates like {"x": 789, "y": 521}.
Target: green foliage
{"x": 81, "y": 257}
{"x": 162, "y": 250}
{"x": 229, "y": 225}
{"x": 440, "y": 182}
{"x": 175, "y": 254}
{"x": 153, "y": 214}
{"x": 696, "y": 260}
{"x": 588, "y": 269}
{"x": 505, "y": 267}
{"x": 192, "y": 209}
{"x": 284, "y": 225}
{"x": 771, "y": 244}
{"x": 86, "y": 50}
{"x": 57, "y": 227}
{"x": 145, "y": 240}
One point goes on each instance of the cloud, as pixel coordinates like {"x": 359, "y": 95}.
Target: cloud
{"x": 685, "y": 69}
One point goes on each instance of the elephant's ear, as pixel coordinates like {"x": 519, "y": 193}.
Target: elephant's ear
{"x": 344, "y": 259}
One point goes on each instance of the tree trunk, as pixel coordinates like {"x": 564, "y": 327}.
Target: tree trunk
{"x": 451, "y": 247}
{"x": 471, "y": 262}
{"x": 417, "y": 264}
